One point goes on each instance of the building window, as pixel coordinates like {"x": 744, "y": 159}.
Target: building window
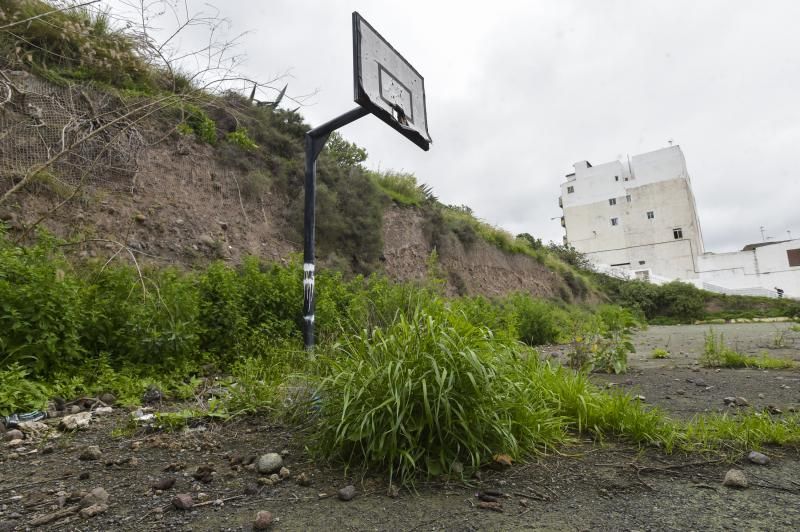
{"x": 570, "y": 190}
{"x": 612, "y": 201}
{"x": 677, "y": 233}
{"x": 614, "y": 221}
{"x": 616, "y": 178}
{"x": 628, "y": 198}
{"x": 650, "y": 215}
{"x": 641, "y": 263}
{"x": 794, "y": 257}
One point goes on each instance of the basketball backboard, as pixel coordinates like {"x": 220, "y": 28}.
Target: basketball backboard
{"x": 387, "y": 85}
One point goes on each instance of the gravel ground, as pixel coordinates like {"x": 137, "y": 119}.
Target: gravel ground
{"x": 585, "y": 486}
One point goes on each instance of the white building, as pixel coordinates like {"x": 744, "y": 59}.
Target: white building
{"x": 639, "y": 219}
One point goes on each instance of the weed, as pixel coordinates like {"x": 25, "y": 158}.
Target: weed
{"x": 718, "y": 355}
{"x": 660, "y": 353}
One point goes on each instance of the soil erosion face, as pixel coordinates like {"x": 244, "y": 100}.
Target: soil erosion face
{"x": 587, "y": 486}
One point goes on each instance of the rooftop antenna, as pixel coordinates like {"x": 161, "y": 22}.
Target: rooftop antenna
{"x": 762, "y": 234}
{"x": 670, "y": 142}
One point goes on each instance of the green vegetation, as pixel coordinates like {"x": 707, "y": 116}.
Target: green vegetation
{"x": 718, "y": 355}
{"x": 659, "y": 353}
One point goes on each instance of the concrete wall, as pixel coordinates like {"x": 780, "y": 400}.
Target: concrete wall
{"x": 765, "y": 267}
{"x": 654, "y": 182}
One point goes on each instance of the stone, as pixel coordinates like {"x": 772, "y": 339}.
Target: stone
{"x": 741, "y": 401}
{"x": 223, "y": 225}
{"x": 275, "y": 478}
{"x": 108, "y": 398}
{"x": 91, "y": 452}
{"x": 347, "y": 493}
{"x": 152, "y": 395}
{"x": 13, "y": 434}
{"x": 75, "y": 421}
{"x": 699, "y": 382}
{"x": 735, "y": 478}
{"x": 758, "y": 458}
{"x": 303, "y": 480}
{"x": 263, "y": 520}
{"x": 680, "y": 392}
{"x": 204, "y": 473}
{"x": 269, "y": 463}
{"x": 206, "y": 240}
{"x": 91, "y": 511}
{"x": 74, "y": 409}
{"x": 103, "y": 410}
{"x": 729, "y": 400}
{"x": 94, "y": 497}
{"x": 164, "y": 484}
{"x": 284, "y": 473}
{"x": 761, "y": 396}
{"x": 183, "y": 501}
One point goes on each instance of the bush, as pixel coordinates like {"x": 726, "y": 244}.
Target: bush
{"x": 41, "y": 315}
{"x": 538, "y": 322}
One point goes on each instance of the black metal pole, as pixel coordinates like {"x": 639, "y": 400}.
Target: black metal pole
{"x": 315, "y": 141}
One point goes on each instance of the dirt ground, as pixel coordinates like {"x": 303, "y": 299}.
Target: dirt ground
{"x": 585, "y": 486}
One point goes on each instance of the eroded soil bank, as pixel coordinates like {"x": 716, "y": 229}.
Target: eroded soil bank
{"x": 586, "y": 486}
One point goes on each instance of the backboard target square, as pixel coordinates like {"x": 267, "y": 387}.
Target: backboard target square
{"x": 387, "y": 85}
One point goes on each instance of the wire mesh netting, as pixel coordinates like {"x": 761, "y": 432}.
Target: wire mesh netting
{"x": 40, "y": 120}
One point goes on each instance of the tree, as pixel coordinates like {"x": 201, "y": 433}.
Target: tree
{"x": 346, "y": 154}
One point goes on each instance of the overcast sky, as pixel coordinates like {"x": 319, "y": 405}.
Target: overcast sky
{"x": 518, "y": 91}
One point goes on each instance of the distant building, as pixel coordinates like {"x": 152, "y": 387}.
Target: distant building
{"x": 638, "y": 219}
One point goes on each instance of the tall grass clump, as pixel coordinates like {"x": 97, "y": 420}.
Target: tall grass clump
{"x": 430, "y": 394}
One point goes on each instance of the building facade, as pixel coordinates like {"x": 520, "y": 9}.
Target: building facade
{"x": 638, "y": 219}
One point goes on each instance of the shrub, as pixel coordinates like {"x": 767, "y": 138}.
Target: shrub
{"x": 538, "y": 322}
{"x": 41, "y": 315}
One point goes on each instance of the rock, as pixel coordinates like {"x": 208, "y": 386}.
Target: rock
{"x": 183, "y": 501}
{"x": 108, "y": 398}
{"x": 699, "y": 382}
{"x": 269, "y": 463}
{"x": 729, "y": 400}
{"x": 274, "y": 478}
{"x": 263, "y": 520}
{"x": 251, "y": 489}
{"x": 502, "y": 461}
{"x": 74, "y": 409}
{"x": 13, "y": 434}
{"x": 493, "y": 506}
{"x": 92, "y": 452}
{"x": 75, "y": 421}
{"x": 152, "y": 395}
{"x": 94, "y": 497}
{"x": 347, "y": 493}
{"x": 735, "y": 478}
{"x": 640, "y": 398}
{"x": 206, "y": 240}
{"x": 303, "y": 480}
{"x": 103, "y": 410}
{"x": 758, "y": 458}
{"x": 761, "y": 396}
{"x": 774, "y": 410}
{"x": 84, "y": 475}
{"x": 741, "y": 401}
{"x": 284, "y": 473}
{"x": 223, "y": 225}
{"x": 91, "y": 511}
{"x": 204, "y": 473}
{"x": 139, "y": 217}
{"x": 164, "y": 484}
{"x": 680, "y": 392}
